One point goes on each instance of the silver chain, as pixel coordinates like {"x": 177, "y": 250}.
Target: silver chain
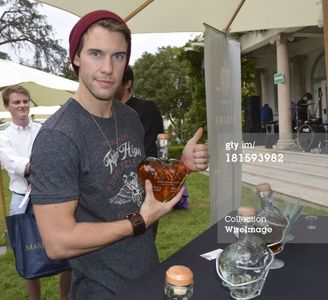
{"x": 103, "y": 134}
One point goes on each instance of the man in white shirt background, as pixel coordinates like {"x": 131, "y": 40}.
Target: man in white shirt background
{"x": 15, "y": 149}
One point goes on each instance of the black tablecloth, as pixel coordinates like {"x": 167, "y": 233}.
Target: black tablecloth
{"x": 304, "y": 276}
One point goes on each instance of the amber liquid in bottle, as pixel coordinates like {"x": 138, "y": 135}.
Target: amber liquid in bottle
{"x": 166, "y": 175}
{"x": 276, "y": 248}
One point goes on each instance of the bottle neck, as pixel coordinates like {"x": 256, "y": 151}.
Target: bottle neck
{"x": 246, "y": 226}
{"x": 266, "y": 197}
{"x": 162, "y": 148}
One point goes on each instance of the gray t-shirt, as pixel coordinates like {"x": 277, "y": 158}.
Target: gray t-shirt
{"x": 71, "y": 160}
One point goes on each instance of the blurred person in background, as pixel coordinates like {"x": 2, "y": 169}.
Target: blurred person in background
{"x": 15, "y": 149}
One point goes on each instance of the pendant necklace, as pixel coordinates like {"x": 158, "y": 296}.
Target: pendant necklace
{"x": 103, "y": 134}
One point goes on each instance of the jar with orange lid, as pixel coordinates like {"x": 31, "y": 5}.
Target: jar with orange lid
{"x": 178, "y": 283}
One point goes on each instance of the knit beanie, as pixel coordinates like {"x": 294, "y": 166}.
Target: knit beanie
{"x": 82, "y": 26}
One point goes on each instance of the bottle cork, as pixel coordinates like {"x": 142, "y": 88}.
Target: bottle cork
{"x": 179, "y": 275}
{"x": 263, "y": 187}
{"x": 163, "y": 136}
{"x": 246, "y": 211}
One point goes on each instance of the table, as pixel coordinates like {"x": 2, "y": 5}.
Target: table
{"x": 304, "y": 275}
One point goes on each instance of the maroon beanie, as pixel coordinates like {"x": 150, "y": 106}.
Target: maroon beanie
{"x": 81, "y": 27}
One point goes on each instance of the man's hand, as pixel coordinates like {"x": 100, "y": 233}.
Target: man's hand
{"x": 152, "y": 209}
{"x": 195, "y": 156}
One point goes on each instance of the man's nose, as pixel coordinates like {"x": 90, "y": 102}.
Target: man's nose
{"x": 107, "y": 65}
{"x": 23, "y": 104}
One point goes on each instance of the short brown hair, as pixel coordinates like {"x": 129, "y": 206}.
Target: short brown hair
{"x": 14, "y": 89}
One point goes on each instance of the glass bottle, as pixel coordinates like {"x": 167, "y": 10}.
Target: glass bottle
{"x": 166, "y": 175}
{"x": 244, "y": 264}
{"x": 271, "y": 218}
{"x": 178, "y": 283}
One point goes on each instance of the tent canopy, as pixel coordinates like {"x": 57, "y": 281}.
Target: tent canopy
{"x": 189, "y": 15}
{"x": 45, "y": 88}
{"x": 34, "y": 111}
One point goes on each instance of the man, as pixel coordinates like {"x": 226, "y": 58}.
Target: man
{"x": 302, "y": 107}
{"x": 293, "y": 111}
{"x": 15, "y": 150}
{"x": 87, "y": 199}
{"x": 148, "y": 112}
{"x": 266, "y": 114}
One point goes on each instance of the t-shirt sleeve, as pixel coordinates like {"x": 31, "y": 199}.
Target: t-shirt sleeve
{"x": 54, "y": 170}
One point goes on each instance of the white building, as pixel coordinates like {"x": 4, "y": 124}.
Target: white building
{"x": 298, "y": 55}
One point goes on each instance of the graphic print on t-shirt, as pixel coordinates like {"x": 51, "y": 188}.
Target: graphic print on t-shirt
{"x": 123, "y": 179}
{"x": 130, "y": 191}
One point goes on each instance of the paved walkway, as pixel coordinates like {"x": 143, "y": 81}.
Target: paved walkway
{"x": 299, "y": 174}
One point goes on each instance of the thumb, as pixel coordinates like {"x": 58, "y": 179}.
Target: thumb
{"x": 197, "y": 136}
{"x": 149, "y": 188}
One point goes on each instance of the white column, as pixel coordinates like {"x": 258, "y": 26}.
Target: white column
{"x": 285, "y": 129}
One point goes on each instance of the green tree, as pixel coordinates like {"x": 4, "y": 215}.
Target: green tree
{"x": 162, "y": 78}
{"x": 248, "y": 73}
{"x": 68, "y": 71}
{"x": 22, "y": 27}
{"x": 195, "y": 117}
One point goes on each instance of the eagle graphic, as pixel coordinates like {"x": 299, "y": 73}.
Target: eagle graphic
{"x": 130, "y": 191}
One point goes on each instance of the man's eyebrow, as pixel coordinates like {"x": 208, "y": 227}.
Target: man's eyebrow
{"x": 93, "y": 49}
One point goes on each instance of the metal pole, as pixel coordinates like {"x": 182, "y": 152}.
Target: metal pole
{"x": 2, "y": 198}
{"x": 137, "y": 10}
{"x": 227, "y": 28}
{"x": 325, "y": 31}
{"x": 4, "y": 208}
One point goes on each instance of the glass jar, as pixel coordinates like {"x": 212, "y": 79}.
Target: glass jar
{"x": 166, "y": 175}
{"x": 270, "y": 217}
{"x": 244, "y": 264}
{"x": 178, "y": 283}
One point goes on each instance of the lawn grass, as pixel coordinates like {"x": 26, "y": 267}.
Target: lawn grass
{"x": 174, "y": 231}
{"x": 181, "y": 226}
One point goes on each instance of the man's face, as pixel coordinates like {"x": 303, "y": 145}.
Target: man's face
{"x": 101, "y": 63}
{"x": 18, "y": 106}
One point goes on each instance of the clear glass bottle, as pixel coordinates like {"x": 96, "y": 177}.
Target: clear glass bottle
{"x": 244, "y": 264}
{"x": 166, "y": 175}
{"x": 271, "y": 218}
{"x": 178, "y": 283}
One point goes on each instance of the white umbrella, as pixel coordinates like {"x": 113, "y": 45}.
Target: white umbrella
{"x": 36, "y": 110}
{"x": 189, "y": 15}
{"x": 44, "y": 110}
{"x": 12, "y": 73}
{"x": 45, "y": 88}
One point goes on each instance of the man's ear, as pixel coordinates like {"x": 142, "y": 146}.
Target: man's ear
{"x": 76, "y": 60}
{"x": 128, "y": 84}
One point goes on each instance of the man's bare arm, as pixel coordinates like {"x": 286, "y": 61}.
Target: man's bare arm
{"x": 63, "y": 237}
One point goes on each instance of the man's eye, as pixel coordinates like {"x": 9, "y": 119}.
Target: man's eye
{"x": 119, "y": 56}
{"x": 95, "y": 54}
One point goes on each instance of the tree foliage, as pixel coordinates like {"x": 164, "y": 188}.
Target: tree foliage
{"x": 248, "y": 73}
{"x": 22, "y": 27}
{"x": 195, "y": 117}
{"x": 174, "y": 78}
{"x": 162, "y": 78}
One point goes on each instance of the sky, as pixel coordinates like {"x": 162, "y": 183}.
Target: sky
{"x": 62, "y": 23}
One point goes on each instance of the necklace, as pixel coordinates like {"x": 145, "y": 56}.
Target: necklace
{"x": 103, "y": 134}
